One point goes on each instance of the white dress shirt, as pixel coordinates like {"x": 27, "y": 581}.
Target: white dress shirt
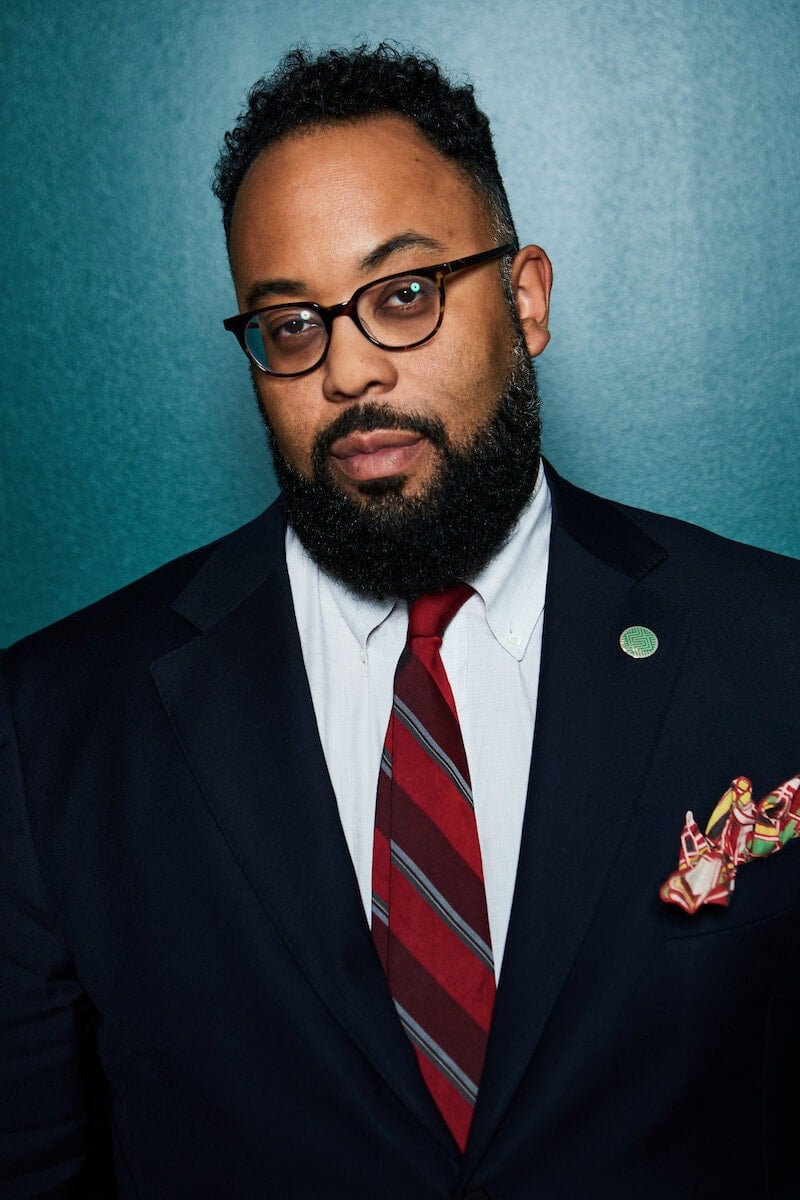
{"x": 491, "y": 652}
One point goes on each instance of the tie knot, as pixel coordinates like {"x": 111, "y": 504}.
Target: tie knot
{"x": 430, "y": 614}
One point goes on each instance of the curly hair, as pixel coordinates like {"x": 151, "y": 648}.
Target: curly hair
{"x": 340, "y": 86}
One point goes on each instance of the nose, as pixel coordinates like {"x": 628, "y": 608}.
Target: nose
{"x": 353, "y": 366}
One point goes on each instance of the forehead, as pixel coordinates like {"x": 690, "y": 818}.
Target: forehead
{"x": 318, "y": 202}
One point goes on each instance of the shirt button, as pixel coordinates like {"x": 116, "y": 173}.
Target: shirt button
{"x": 515, "y": 639}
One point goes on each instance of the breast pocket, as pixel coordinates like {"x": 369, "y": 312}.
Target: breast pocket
{"x": 764, "y": 888}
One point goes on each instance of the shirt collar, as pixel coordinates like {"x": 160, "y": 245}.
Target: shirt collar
{"x": 512, "y": 586}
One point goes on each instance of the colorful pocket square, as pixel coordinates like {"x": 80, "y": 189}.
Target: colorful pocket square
{"x": 737, "y": 831}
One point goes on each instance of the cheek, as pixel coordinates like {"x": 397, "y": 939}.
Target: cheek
{"x": 473, "y": 376}
{"x": 292, "y": 423}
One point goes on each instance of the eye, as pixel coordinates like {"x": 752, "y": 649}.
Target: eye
{"x": 403, "y": 296}
{"x": 406, "y": 293}
{"x": 288, "y": 325}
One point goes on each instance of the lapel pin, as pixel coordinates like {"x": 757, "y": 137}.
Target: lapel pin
{"x": 637, "y": 641}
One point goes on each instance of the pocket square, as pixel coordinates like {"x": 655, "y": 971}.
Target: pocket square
{"x": 738, "y": 830}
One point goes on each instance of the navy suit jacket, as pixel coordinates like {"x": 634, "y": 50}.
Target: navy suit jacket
{"x": 190, "y": 1002}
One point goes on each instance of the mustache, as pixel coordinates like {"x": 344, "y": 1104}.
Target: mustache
{"x": 370, "y": 416}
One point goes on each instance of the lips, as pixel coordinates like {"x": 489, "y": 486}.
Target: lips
{"x": 377, "y": 454}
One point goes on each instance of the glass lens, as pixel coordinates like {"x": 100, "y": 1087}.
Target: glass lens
{"x": 286, "y": 339}
{"x": 400, "y": 311}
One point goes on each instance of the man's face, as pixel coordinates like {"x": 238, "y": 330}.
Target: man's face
{"x": 323, "y": 213}
{"x": 375, "y": 432}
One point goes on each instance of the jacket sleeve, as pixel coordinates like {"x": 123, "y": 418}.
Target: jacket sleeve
{"x": 51, "y": 1111}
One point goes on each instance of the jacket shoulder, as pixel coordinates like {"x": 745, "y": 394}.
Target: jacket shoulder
{"x": 701, "y": 565}
{"x": 692, "y": 563}
{"x": 146, "y": 614}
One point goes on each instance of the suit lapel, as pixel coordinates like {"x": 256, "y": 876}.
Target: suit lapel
{"x": 599, "y": 715}
{"x": 239, "y": 703}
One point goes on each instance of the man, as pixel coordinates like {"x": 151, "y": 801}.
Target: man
{"x": 204, "y": 934}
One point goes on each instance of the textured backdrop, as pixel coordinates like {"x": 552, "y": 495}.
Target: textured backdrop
{"x": 653, "y": 148}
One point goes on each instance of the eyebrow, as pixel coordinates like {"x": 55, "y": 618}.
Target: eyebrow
{"x": 409, "y": 239}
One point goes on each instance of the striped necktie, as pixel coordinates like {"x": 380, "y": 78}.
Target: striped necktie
{"x": 429, "y": 920}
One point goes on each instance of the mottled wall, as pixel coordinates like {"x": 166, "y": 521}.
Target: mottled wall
{"x": 653, "y": 148}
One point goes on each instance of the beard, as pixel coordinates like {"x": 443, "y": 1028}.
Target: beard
{"x": 388, "y": 545}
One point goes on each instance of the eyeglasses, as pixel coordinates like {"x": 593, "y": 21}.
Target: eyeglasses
{"x": 396, "y": 312}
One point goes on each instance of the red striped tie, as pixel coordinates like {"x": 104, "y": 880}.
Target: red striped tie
{"x": 429, "y": 920}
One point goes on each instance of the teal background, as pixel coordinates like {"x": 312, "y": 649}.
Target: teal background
{"x": 652, "y": 148}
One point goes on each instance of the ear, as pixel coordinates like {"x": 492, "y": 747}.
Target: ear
{"x": 531, "y": 280}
